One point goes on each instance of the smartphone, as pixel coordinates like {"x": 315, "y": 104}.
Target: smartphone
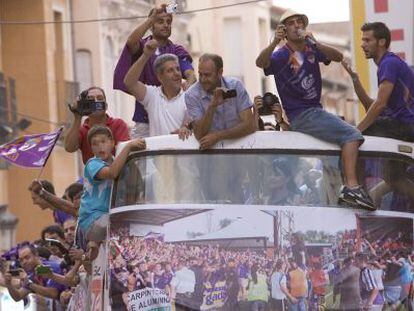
{"x": 229, "y": 93}
{"x": 41, "y": 269}
{"x": 58, "y": 244}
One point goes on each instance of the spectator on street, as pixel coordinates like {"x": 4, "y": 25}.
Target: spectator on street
{"x": 29, "y": 281}
{"x": 43, "y": 194}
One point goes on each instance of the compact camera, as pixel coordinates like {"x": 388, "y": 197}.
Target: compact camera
{"x": 171, "y": 8}
{"x": 269, "y": 101}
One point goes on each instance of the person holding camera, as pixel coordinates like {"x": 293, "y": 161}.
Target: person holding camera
{"x": 219, "y": 107}
{"x": 265, "y": 105}
{"x": 295, "y": 67}
{"x": 30, "y": 281}
{"x": 165, "y": 104}
{"x": 159, "y": 22}
{"x": 92, "y": 103}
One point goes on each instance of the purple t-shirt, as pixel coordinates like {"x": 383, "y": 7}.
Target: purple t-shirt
{"x": 299, "y": 86}
{"x": 401, "y": 102}
{"x": 148, "y": 75}
{"x": 60, "y": 216}
{"x": 37, "y": 279}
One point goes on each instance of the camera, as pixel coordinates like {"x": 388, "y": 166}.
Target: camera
{"x": 67, "y": 261}
{"x": 269, "y": 101}
{"x": 229, "y": 93}
{"x": 171, "y": 8}
{"x": 87, "y": 106}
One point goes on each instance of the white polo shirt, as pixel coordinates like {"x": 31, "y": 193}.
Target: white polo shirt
{"x": 165, "y": 116}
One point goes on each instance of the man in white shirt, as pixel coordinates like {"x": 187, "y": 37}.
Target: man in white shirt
{"x": 183, "y": 284}
{"x": 165, "y": 104}
{"x": 278, "y": 287}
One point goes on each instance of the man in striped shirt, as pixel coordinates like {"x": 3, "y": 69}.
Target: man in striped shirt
{"x": 368, "y": 285}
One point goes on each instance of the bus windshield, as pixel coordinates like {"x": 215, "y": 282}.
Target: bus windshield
{"x": 260, "y": 178}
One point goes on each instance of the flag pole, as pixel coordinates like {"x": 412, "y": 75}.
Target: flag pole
{"x": 50, "y": 152}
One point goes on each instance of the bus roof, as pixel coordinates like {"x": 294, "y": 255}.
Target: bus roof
{"x": 287, "y": 140}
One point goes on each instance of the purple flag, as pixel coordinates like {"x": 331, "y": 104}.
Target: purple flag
{"x": 30, "y": 150}
{"x": 154, "y": 236}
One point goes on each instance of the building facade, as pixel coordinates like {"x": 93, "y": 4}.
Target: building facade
{"x": 37, "y": 83}
{"x": 237, "y": 33}
{"x": 44, "y": 63}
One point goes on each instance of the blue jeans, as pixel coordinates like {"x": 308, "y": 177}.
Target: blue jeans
{"x": 299, "y": 306}
{"x": 257, "y": 305}
{"x": 325, "y": 126}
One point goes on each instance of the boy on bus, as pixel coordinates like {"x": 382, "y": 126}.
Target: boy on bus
{"x": 98, "y": 175}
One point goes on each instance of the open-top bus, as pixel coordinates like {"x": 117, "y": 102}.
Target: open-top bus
{"x": 192, "y": 229}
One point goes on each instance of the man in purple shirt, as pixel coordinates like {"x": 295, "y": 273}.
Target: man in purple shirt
{"x": 159, "y": 23}
{"x": 32, "y": 282}
{"x": 391, "y": 114}
{"x": 295, "y": 67}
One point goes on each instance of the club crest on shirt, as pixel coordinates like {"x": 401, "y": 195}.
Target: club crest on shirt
{"x": 308, "y": 81}
{"x": 311, "y": 58}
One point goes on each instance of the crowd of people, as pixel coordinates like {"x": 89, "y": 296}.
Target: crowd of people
{"x": 205, "y": 277}
{"x": 213, "y": 107}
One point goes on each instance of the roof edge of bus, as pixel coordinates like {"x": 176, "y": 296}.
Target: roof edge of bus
{"x": 288, "y": 140}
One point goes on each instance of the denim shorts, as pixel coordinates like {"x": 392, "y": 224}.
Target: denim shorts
{"x": 97, "y": 231}
{"x": 325, "y": 126}
{"x": 392, "y": 294}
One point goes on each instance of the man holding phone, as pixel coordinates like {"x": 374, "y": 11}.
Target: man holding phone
{"x": 295, "y": 66}
{"x": 30, "y": 281}
{"x": 219, "y": 107}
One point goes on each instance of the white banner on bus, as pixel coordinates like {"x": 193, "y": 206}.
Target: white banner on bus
{"x": 149, "y": 299}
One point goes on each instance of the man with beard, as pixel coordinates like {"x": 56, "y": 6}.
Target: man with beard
{"x": 391, "y": 114}
{"x": 216, "y": 114}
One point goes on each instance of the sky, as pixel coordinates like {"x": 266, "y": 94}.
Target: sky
{"x": 318, "y": 11}
{"x": 325, "y": 219}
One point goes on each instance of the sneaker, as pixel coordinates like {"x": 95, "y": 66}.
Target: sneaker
{"x": 356, "y": 197}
